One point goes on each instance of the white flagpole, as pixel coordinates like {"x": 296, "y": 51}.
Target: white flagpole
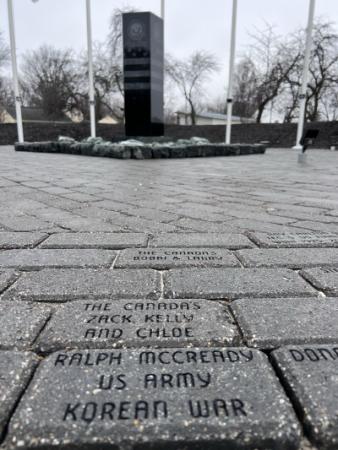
{"x": 15, "y": 71}
{"x": 90, "y": 71}
{"x": 231, "y": 71}
{"x": 302, "y": 96}
{"x": 163, "y": 9}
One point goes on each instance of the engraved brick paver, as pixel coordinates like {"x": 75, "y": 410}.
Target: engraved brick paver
{"x": 293, "y": 258}
{"x": 65, "y": 285}
{"x": 167, "y": 258}
{"x": 310, "y": 374}
{"x": 139, "y": 323}
{"x": 295, "y": 240}
{"x": 70, "y": 229}
{"x": 170, "y": 398}
{"x": 234, "y": 283}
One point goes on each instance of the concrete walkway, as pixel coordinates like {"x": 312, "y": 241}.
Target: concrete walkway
{"x": 169, "y": 304}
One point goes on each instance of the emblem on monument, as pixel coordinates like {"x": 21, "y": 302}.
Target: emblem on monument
{"x": 136, "y": 31}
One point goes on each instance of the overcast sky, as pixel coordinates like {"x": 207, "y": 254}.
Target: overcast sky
{"x": 190, "y": 24}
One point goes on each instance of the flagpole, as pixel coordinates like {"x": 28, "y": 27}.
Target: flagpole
{"x": 163, "y": 9}
{"x": 15, "y": 70}
{"x": 231, "y": 71}
{"x": 90, "y": 71}
{"x": 303, "y": 90}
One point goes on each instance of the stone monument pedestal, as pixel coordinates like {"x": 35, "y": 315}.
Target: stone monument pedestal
{"x": 143, "y": 47}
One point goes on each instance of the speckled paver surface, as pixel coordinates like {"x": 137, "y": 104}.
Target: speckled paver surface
{"x": 168, "y": 304}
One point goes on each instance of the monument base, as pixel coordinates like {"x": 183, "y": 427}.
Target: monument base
{"x": 138, "y": 150}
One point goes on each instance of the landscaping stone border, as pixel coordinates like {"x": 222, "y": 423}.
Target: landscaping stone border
{"x": 161, "y": 150}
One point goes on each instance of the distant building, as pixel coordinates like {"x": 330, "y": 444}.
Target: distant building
{"x": 209, "y": 118}
{"x": 29, "y": 115}
{"x": 5, "y": 116}
{"x": 75, "y": 115}
{"x": 109, "y": 120}
{"x": 37, "y": 115}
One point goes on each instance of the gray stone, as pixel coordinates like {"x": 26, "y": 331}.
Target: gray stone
{"x": 161, "y": 152}
{"x": 15, "y": 372}
{"x": 293, "y": 240}
{"x": 74, "y": 149}
{"x": 294, "y": 258}
{"x": 87, "y": 148}
{"x": 167, "y": 258}
{"x": 323, "y": 278}
{"x": 234, "y": 283}
{"x": 10, "y": 240}
{"x": 195, "y": 398}
{"x": 132, "y": 323}
{"x": 230, "y": 241}
{"x": 40, "y": 259}
{"x": 111, "y": 151}
{"x": 20, "y": 324}
{"x": 179, "y": 152}
{"x": 269, "y": 323}
{"x": 6, "y": 279}
{"x": 310, "y": 374}
{"x": 79, "y": 284}
{"x": 141, "y": 152}
{"x": 96, "y": 240}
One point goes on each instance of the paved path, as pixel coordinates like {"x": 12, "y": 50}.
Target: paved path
{"x": 164, "y": 303}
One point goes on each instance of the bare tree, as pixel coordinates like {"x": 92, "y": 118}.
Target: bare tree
{"x": 115, "y": 36}
{"x": 246, "y": 85}
{"x": 50, "y": 80}
{"x": 170, "y": 100}
{"x": 6, "y": 95}
{"x": 190, "y": 75}
{"x": 323, "y": 79}
{"x": 4, "y": 52}
{"x": 272, "y": 62}
{"x": 329, "y": 104}
{"x": 323, "y": 67}
{"x": 217, "y": 104}
{"x": 114, "y": 46}
{"x": 108, "y": 98}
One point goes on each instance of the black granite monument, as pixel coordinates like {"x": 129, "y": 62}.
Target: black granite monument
{"x": 143, "y": 45}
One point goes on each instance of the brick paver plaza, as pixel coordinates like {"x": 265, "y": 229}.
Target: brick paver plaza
{"x": 169, "y": 304}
